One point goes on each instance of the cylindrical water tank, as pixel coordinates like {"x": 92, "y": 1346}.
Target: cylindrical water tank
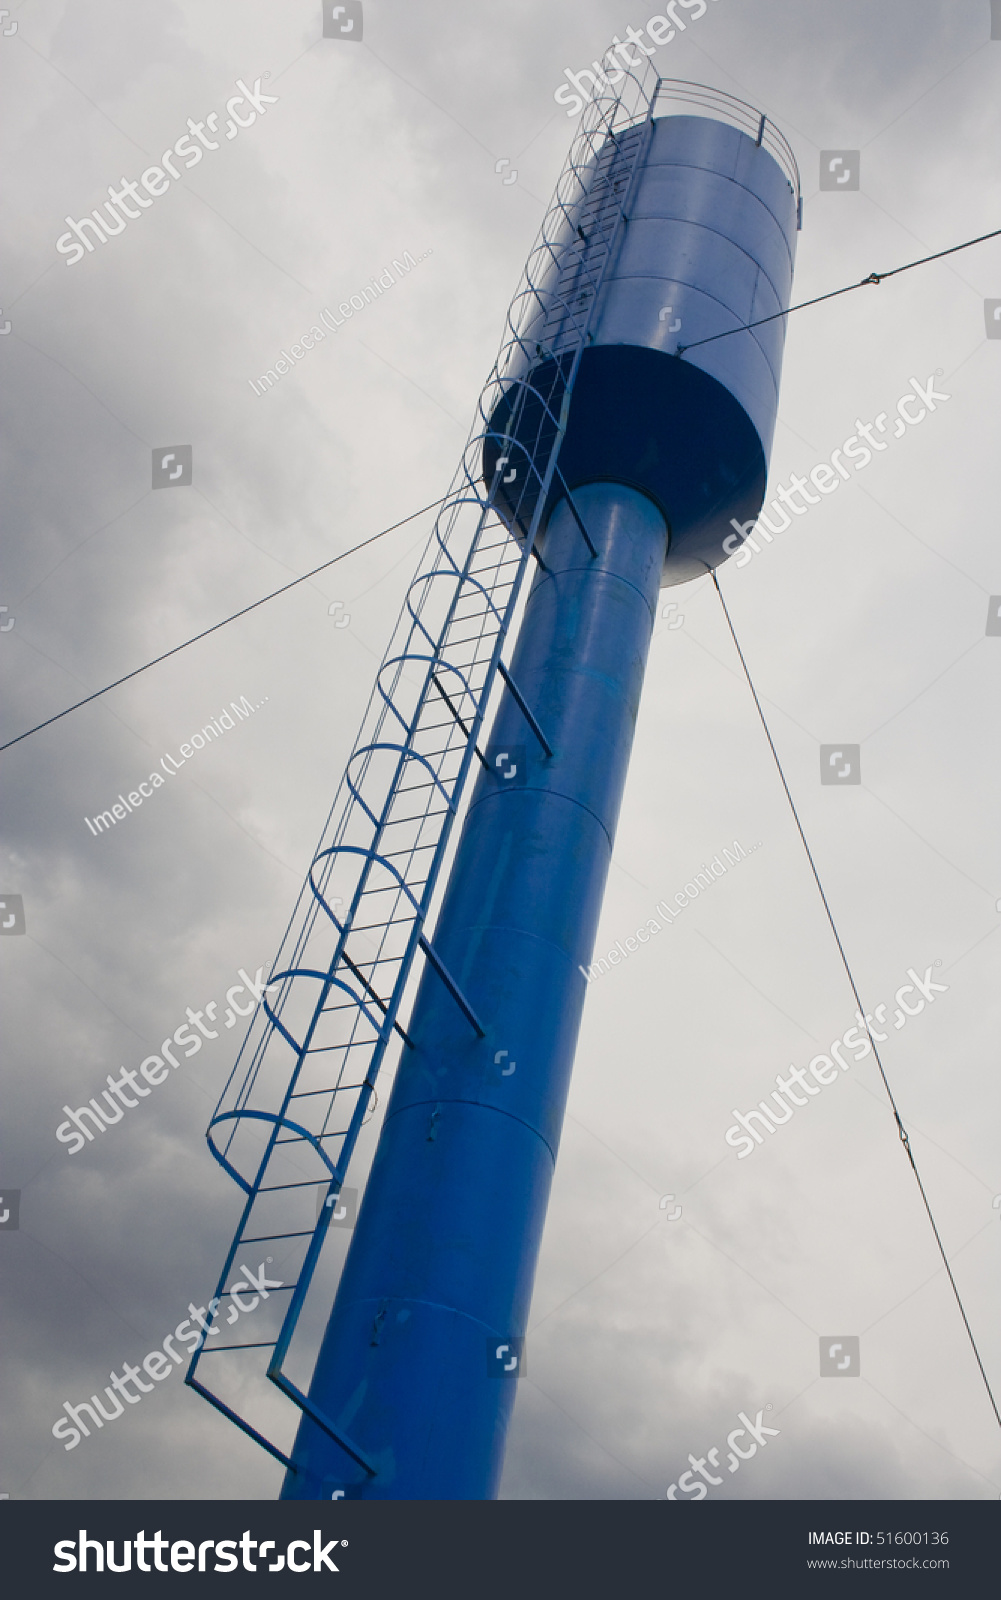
{"x": 707, "y": 247}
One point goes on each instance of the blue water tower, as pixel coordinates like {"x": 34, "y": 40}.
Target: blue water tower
{"x": 663, "y": 453}
{"x": 618, "y": 450}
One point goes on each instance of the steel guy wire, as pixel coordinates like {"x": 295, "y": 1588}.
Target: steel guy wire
{"x": 874, "y": 277}
{"x": 901, "y": 1130}
{"x": 217, "y": 625}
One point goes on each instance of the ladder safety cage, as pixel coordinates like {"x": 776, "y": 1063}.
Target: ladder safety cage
{"x": 304, "y": 1083}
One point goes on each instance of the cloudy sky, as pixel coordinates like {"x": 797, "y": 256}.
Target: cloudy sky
{"x": 865, "y": 625}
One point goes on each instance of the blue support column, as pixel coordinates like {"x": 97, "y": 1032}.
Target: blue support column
{"x": 421, "y": 1353}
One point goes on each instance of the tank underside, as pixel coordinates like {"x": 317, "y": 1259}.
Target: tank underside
{"x": 649, "y": 421}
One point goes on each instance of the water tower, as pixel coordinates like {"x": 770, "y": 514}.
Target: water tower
{"x": 611, "y": 465}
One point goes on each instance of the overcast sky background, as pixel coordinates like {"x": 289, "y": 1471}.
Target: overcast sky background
{"x": 865, "y": 624}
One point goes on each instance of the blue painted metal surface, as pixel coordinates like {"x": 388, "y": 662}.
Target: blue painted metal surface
{"x": 439, "y": 1274}
{"x": 708, "y": 246}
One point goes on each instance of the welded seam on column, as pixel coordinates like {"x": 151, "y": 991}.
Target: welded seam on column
{"x": 554, "y": 794}
{"x": 434, "y": 1305}
{"x": 480, "y": 1105}
{"x": 598, "y": 572}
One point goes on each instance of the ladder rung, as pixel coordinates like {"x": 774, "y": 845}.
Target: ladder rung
{"x": 268, "y": 1238}
{"x": 422, "y": 816}
{"x": 305, "y": 1094}
{"x": 226, "y": 1349}
{"x": 274, "y": 1188}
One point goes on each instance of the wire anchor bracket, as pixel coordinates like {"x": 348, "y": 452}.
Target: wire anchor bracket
{"x": 523, "y": 708}
{"x": 576, "y": 514}
{"x": 452, "y": 986}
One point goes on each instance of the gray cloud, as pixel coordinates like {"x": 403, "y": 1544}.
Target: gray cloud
{"x": 864, "y": 623}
